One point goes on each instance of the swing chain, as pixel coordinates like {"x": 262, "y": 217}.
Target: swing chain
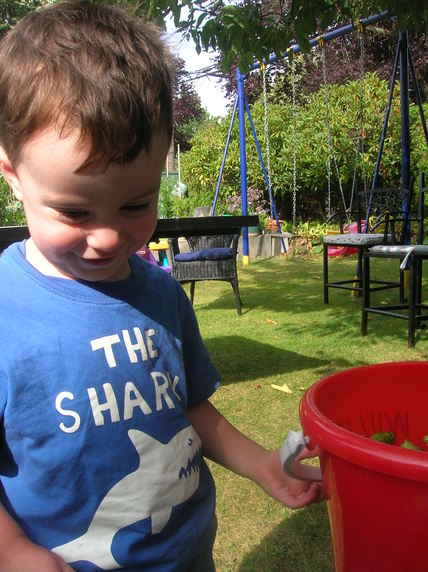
{"x": 330, "y": 146}
{"x": 362, "y": 107}
{"x": 324, "y": 73}
{"x": 360, "y": 139}
{"x": 266, "y": 129}
{"x": 293, "y": 86}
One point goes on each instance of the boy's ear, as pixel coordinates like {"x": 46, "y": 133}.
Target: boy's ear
{"x": 9, "y": 174}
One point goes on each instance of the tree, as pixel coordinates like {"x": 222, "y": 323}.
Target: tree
{"x": 379, "y": 48}
{"x": 245, "y": 31}
{"x": 343, "y": 63}
{"x": 188, "y": 111}
{"x": 12, "y": 10}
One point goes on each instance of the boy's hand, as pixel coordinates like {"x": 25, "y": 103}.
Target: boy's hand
{"x": 291, "y": 492}
{"x": 223, "y": 443}
{"x": 24, "y": 556}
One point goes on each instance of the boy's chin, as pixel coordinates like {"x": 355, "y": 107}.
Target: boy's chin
{"x": 103, "y": 271}
{"x": 107, "y": 270}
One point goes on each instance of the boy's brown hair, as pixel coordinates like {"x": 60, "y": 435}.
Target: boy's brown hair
{"x": 91, "y": 67}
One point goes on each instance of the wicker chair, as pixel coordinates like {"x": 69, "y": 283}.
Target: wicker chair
{"x": 210, "y": 258}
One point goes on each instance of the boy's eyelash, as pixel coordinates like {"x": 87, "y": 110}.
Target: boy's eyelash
{"x": 73, "y": 214}
{"x": 138, "y": 207}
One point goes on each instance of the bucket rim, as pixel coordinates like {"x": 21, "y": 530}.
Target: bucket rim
{"x": 355, "y": 448}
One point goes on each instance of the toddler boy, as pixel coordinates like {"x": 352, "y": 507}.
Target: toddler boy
{"x": 104, "y": 378}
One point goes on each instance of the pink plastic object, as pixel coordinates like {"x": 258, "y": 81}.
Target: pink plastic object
{"x": 147, "y": 255}
{"x": 335, "y": 251}
{"x": 377, "y": 493}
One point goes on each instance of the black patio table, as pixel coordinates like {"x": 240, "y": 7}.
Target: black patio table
{"x": 202, "y": 226}
{"x": 165, "y": 228}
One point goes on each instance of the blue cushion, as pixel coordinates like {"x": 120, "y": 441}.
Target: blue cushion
{"x": 208, "y": 254}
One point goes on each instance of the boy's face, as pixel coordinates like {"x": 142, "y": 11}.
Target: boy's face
{"x": 85, "y": 225}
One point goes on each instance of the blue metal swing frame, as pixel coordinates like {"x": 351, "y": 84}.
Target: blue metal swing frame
{"x": 403, "y": 60}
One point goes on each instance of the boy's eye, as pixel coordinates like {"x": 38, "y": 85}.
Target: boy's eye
{"x": 136, "y": 208}
{"x": 73, "y": 215}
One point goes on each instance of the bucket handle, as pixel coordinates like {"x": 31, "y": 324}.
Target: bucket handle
{"x": 290, "y": 450}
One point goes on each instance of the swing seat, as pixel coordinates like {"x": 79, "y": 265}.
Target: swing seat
{"x": 385, "y": 208}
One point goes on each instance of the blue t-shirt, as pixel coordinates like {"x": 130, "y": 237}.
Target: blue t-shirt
{"x": 98, "y": 460}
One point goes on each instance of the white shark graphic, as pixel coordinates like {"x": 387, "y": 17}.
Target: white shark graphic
{"x": 167, "y": 476}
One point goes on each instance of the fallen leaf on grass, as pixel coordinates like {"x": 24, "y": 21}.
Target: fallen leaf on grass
{"x": 269, "y": 321}
{"x": 283, "y": 388}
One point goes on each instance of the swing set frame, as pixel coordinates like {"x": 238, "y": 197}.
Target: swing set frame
{"x": 241, "y": 106}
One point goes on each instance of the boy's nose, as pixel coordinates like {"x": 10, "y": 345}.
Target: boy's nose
{"x": 106, "y": 239}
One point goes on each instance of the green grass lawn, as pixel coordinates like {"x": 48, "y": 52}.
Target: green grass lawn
{"x": 285, "y": 335}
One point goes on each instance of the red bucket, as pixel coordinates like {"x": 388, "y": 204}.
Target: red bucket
{"x": 377, "y": 494}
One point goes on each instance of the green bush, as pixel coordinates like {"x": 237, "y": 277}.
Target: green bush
{"x": 11, "y": 210}
{"x": 171, "y": 204}
{"x": 201, "y": 165}
{"x": 417, "y": 136}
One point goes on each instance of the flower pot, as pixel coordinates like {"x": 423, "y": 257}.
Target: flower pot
{"x": 253, "y": 230}
{"x": 272, "y": 225}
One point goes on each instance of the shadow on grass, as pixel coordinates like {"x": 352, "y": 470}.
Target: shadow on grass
{"x": 295, "y": 288}
{"x": 244, "y": 359}
{"x": 301, "y": 543}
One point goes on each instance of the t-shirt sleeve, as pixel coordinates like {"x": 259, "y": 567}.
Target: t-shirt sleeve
{"x": 203, "y": 378}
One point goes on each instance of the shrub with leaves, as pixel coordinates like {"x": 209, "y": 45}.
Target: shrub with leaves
{"x": 11, "y": 210}
{"x": 202, "y": 163}
{"x": 171, "y": 203}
